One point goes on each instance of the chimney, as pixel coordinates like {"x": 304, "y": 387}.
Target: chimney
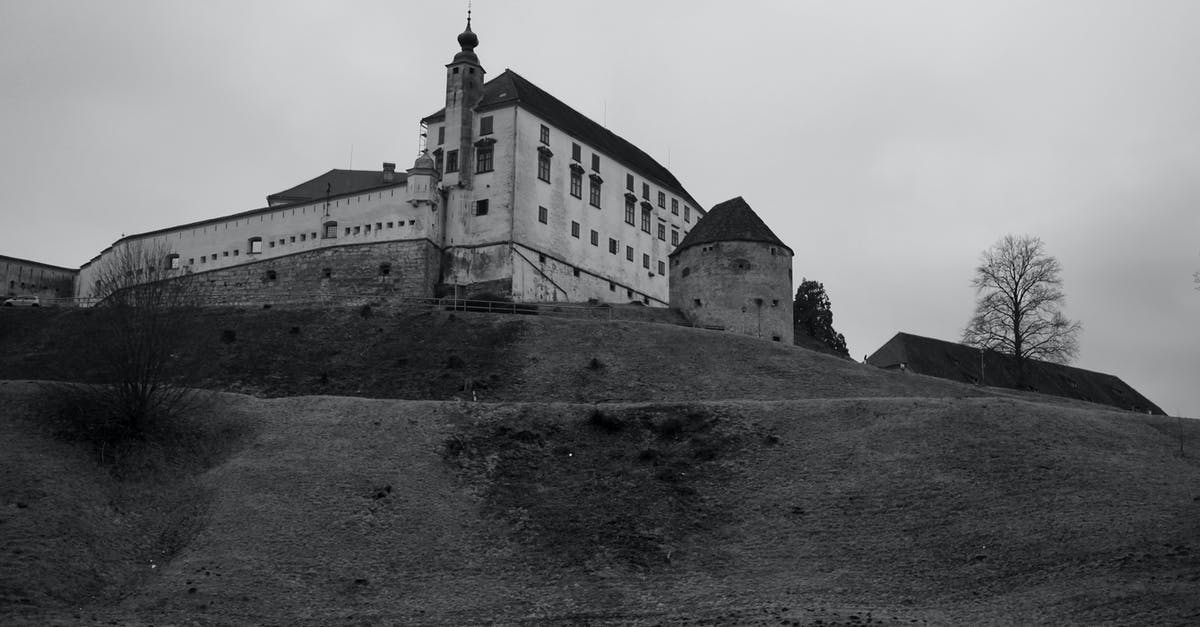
{"x": 389, "y": 172}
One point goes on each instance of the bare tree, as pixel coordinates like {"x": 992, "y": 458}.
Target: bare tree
{"x": 142, "y": 292}
{"x": 1019, "y": 288}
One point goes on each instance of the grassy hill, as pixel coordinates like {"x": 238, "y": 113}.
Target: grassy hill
{"x": 614, "y": 473}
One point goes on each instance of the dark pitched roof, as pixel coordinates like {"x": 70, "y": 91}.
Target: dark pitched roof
{"x": 339, "y": 182}
{"x": 511, "y": 88}
{"x": 732, "y": 220}
{"x": 958, "y": 362}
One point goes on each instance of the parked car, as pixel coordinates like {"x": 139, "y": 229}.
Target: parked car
{"x": 23, "y": 301}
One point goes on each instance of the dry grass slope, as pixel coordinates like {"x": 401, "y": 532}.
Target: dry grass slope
{"x": 669, "y": 476}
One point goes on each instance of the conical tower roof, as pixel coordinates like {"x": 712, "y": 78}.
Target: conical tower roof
{"x": 732, "y": 220}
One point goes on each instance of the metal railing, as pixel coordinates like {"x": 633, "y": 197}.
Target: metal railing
{"x": 633, "y": 311}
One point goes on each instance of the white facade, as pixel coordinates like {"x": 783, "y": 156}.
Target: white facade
{"x": 537, "y": 240}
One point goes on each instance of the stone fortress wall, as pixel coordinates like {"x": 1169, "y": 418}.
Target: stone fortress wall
{"x": 744, "y": 287}
{"x": 22, "y": 277}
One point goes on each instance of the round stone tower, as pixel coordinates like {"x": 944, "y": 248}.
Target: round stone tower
{"x": 732, "y": 272}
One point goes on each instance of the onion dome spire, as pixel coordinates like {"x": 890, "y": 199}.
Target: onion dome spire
{"x": 467, "y": 39}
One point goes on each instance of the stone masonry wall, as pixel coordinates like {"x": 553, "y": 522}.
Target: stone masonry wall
{"x": 343, "y": 275}
{"x": 745, "y": 287}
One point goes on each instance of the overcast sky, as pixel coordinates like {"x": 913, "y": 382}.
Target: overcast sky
{"x": 888, "y": 143}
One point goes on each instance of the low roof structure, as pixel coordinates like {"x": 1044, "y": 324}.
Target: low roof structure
{"x": 958, "y": 362}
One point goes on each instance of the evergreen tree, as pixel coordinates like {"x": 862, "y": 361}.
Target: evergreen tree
{"x": 813, "y": 316}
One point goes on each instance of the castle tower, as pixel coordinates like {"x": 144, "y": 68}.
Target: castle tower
{"x": 731, "y": 271}
{"x": 464, "y": 88}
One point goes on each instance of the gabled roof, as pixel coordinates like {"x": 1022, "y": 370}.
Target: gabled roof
{"x": 732, "y": 220}
{"x": 511, "y": 88}
{"x": 958, "y": 362}
{"x": 336, "y": 182}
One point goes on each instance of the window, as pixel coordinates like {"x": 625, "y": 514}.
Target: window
{"x": 662, "y": 232}
{"x": 613, "y": 246}
{"x": 612, "y": 287}
{"x": 646, "y": 220}
{"x": 629, "y": 182}
{"x": 293, "y": 239}
{"x": 191, "y": 262}
{"x": 595, "y": 163}
{"x": 543, "y": 166}
{"x": 327, "y": 273}
{"x": 254, "y": 246}
{"x": 662, "y": 268}
{"x": 203, "y": 258}
{"x": 441, "y": 135}
{"x": 357, "y": 230}
{"x": 594, "y": 192}
{"x": 595, "y": 238}
{"x": 303, "y": 237}
{"x": 576, "y": 184}
{"x": 686, "y": 271}
{"x": 378, "y": 227}
{"x": 675, "y": 206}
{"x": 629, "y": 253}
{"x": 543, "y": 215}
{"x": 385, "y": 269}
{"x": 662, "y": 200}
{"x": 391, "y": 224}
{"x": 224, "y": 253}
{"x": 235, "y": 252}
{"x": 645, "y": 261}
{"x": 629, "y": 211}
{"x": 452, "y": 161}
{"x": 483, "y": 158}
{"x": 687, "y": 213}
{"x": 481, "y": 207}
{"x": 545, "y": 134}
{"x": 437, "y": 160}
{"x": 576, "y": 152}
{"x": 270, "y": 276}
{"x": 330, "y": 230}
{"x": 674, "y": 237}
{"x": 172, "y": 262}
{"x": 575, "y": 271}
{"x": 575, "y": 229}
{"x": 367, "y": 228}
{"x": 485, "y": 125}
{"x": 645, "y": 191}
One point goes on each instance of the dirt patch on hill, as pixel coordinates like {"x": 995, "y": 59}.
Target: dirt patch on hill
{"x": 598, "y": 488}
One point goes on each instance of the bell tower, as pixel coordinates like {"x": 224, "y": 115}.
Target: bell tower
{"x": 464, "y": 88}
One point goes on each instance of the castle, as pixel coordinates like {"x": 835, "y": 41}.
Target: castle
{"x": 514, "y": 195}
